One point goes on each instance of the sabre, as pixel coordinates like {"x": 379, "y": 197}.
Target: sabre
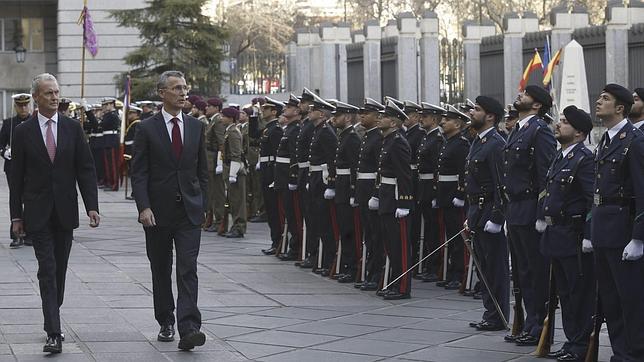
{"x": 422, "y": 244}
{"x": 423, "y": 259}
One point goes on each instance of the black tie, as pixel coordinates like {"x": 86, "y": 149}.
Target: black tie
{"x": 606, "y": 139}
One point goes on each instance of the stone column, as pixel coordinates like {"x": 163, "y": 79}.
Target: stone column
{"x": 620, "y": 20}
{"x": 406, "y": 62}
{"x": 333, "y": 60}
{"x": 472, "y": 35}
{"x": 291, "y": 67}
{"x": 343, "y": 37}
{"x": 371, "y": 60}
{"x": 515, "y": 29}
{"x": 429, "y": 61}
{"x": 391, "y": 29}
{"x": 308, "y": 43}
{"x": 563, "y": 25}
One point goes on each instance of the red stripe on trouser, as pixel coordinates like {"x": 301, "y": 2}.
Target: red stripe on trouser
{"x": 404, "y": 281}
{"x": 334, "y": 221}
{"x": 298, "y": 214}
{"x": 358, "y": 240}
{"x": 280, "y": 211}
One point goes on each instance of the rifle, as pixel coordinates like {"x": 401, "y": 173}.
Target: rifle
{"x": 593, "y": 345}
{"x": 548, "y": 331}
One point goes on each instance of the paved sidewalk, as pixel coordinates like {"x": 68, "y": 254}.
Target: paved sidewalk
{"x": 254, "y": 307}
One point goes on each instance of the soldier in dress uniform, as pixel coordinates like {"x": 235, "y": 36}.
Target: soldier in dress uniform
{"x": 110, "y": 123}
{"x": 63, "y": 106}
{"x": 636, "y": 115}
{"x": 617, "y": 224}
{"x": 426, "y": 197}
{"x": 133, "y": 119}
{"x": 21, "y": 105}
{"x": 256, "y": 210}
{"x": 528, "y": 154}
{"x": 269, "y": 141}
{"x": 322, "y": 178}
{"x": 566, "y": 240}
{"x": 451, "y": 193}
{"x": 302, "y": 148}
{"x": 485, "y": 210}
{"x": 234, "y": 172}
{"x": 147, "y": 108}
{"x": 199, "y": 111}
{"x": 286, "y": 176}
{"x": 214, "y": 148}
{"x": 346, "y": 167}
{"x": 414, "y": 135}
{"x": 394, "y": 199}
{"x": 365, "y": 189}
{"x": 509, "y": 121}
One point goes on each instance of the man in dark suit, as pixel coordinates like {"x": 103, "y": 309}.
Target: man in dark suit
{"x": 170, "y": 181}
{"x": 49, "y": 157}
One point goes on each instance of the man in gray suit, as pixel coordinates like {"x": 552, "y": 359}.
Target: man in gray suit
{"x": 169, "y": 180}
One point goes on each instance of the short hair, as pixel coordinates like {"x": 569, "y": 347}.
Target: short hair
{"x": 627, "y": 106}
{"x": 35, "y": 83}
{"x": 163, "y": 78}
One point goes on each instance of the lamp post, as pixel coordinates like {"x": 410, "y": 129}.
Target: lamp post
{"x": 21, "y": 53}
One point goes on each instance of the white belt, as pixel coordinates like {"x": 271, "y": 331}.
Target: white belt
{"x": 282, "y": 160}
{"x": 343, "y": 171}
{"x": 321, "y": 167}
{"x": 303, "y": 164}
{"x": 96, "y": 135}
{"x": 425, "y": 176}
{"x": 388, "y": 180}
{"x": 127, "y": 143}
{"x": 266, "y": 159}
{"x": 448, "y": 178}
{"x": 110, "y": 132}
{"x": 414, "y": 166}
{"x": 366, "y": 175}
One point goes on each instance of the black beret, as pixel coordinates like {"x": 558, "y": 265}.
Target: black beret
{"x": 579, "y": 119}
{"x": 640, "y": 93}
{"x": 341, "y": 107}
{"x": 620, "y": 93}
{"x": 392, "y": 110}
{"x": 490, "y": 105}
{"x": 539, "y": 94}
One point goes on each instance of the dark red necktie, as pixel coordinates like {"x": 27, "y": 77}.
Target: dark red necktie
{"x": 177, "y": 145}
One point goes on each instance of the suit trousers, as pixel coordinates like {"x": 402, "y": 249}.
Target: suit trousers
{"x": 12, "y": 236}
{"x": 576, "y": 288}
{"x": 159, "y": 242}
{"x": 372, "y": 236}
{"x": 491, "y": 251}
{"x": 396, "y": 236}
{"x": 273, "y": 214}
{"x": 533, "y": 275}
{"x": 347, "y": 226}
{"x": 620, "y": 289}
{"x": 453, "y": 221}
{"x": 52, "y": 246}
{"x": 210, "y": 200}
{"x": 431, "y": 238}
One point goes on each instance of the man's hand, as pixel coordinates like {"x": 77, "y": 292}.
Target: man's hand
{"x": 373, "y": 203}
{"x": 292, "y": 187}
{"x": 232, "y": 179}
{"x": 586, "y": 246}
{"x": 634, "y": 250}
{"x": 458, "y": 202}
{"x": 540, "y": 225}
{"x": 434, "y": 204}
{"x": 465, "y": 226}
{"x": 146, "y": 217}
{"x": 329, "y": 194}
{"x": 219, "y": 170}
{"x": 492, "y": 228}
{"x": 94, "y": 218}
{"x": 400, "y": 213}
{"x": 18, "y": 228}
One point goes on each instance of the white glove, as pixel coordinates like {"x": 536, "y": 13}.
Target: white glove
{"x": 84, "y": 104}
{"x": 540, "y": 225}
{"x": 633, "y": 250}
{"x": 352, "y": 202}
{"x": 400, "y": 213}
{"x": 373, "y": 203}
{"x": 458, "y": 202}
{"x": 307, "y": 186}
{"x": 434, "y": 204}
{"x": 329, "y": 194}
{"x": 219, "y": 170}
{"x": 7, "y": 154}
{"x": 271, "y": 185}
{"x": 258, "y": 166}
{"x": 292, "y": 187}
{"x": 232, "y": 179}
{"x": 492, "y": 228}
{"x": 586, "y": 246}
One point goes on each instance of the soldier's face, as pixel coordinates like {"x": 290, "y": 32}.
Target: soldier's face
{"x": 22, "y": 110}
{"x": 523, "y": 102}
{"x": 564, "y": 131}
{"x": 305, "y": 106}
{"x": 606, "y": 108}
{"x": 243, "y": 117}
{"x": 477, "y": 114}
{"x": 450, "y": 125}
{"x": 132, "y": 115}
{"x": 211, "y": 110}
{"x": 291, "y": 111}
{"x": 267, "y": 113}
{"x": 226, "y": 121}
{"x": 341, "y": 120}
{"x": 637, "y": 109}
{"x": 386, "y": 122}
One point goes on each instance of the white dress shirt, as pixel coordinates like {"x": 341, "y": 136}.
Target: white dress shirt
{"x": 42, "y": 120}
{"x": 612, "y": 132}
{"x": 482, "y": 134}
{"x": 565, "y": 152}
{"x": 167, "y": 117}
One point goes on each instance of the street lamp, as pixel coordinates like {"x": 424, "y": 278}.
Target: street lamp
{"x": 21, "y": 53}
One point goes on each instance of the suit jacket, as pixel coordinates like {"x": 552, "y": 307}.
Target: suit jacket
{"x": 158, "y": 176}
{"x": 40, "y": 188}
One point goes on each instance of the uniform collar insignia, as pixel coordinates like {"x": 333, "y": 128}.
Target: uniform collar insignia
{"x": 484, "y": 140}
{"x": 570, "y": 155}
{"x": 622, "y": 135}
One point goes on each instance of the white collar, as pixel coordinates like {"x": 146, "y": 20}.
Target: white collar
{"x": 482, "y": 134}
{"x": 371, "y": 129}
{"x": 42, "y": 119}
{"x": 612, "y": 132}
{"x": 568, "y": 149}
{"x": 167, "y": 117}
{"x": 639, "y": 124}
{"x": 433, "y": 129}
{"x": 525, "y": 120}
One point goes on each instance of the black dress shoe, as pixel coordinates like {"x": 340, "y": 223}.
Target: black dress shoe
{"x": 396, "y": 296}
{"x": 512, "y": 338}
{"x": 429, "y": 278}
{"x": 129, "y": 198}
{"x": 556, "y": 354}
{"x": 259, "y": 218}
{"x": 337, "y": 276}
{"x": 477, "y": 295}
{"x": 347, "y": 278}
{"x": 28, "y": 242}
{"x": 192, "y": 340}
{"x": 54, "y": 344}
{"x": 16, "y": 243}
{"x": 369, "y": 286}
{"x": 382, "y": 292}
{"x": 287, "y": 257}
{"x": 325, "y": 272}
{"x": 442, "y": 283}
{"x": 321, "y": 271}
{"x": 270, "y": 251}
{"x": 475, "y": 324}
{"x": 306, "y": 264}
{"x": 166, "y": 333}
{"x": 453, "y": 285}
{"x": 528, "y": 340}
{"x": 570, "y": 356}
{"x": 234, "y": 234}
{"x": 488, "y": 326}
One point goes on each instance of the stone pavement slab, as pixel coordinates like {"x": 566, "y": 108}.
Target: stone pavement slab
{"x": 254, "y": 307}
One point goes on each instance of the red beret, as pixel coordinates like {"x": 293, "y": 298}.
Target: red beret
{"x": 215, "y": 102}
{"x": 193, "y": 98}
{"x": 230, "y": 112}
{"x": 200, "y": 104}
{"x": 248, "y": 111}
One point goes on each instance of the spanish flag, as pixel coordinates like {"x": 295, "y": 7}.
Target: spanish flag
{"x": 534, "y": 64}
{"x": 547, "y": 76}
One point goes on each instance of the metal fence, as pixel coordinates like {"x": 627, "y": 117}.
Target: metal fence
{"x": 388, "y": 74}
{"x": 252, "y": 73}
{"x": 636, "y": 56}
{"x": 452, "y": 76}
{"x": 492, "y": 73}
{"x": 593, "y": 39}
{"x": 355, "y": 73}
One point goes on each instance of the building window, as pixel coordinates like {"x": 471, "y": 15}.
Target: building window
{"x": 33, "y": 35}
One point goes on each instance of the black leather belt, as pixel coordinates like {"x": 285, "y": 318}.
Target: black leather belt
{"x": 178, "y": 197}
{"x": 522, "y": 196}
{"x": 563, "y": 220}
{"x": 480, "y": 199}
{"x": 599, "y": 200}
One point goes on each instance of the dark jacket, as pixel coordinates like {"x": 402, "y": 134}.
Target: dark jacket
{"x": 346, "y": 158}
{"x": 395, "y": 157}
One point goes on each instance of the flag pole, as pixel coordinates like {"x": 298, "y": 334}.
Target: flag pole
{"x": 82, "y": 84}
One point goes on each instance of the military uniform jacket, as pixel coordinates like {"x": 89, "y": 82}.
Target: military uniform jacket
{"x": 360, "y": 130}
{"x": 110, "y": 125}
{"x": 129, "y": 137}
{"x": 368, "y": 166}
{"x": 394, "y": 160}
{"x": 451, "y": 170}
{"x": 233, "y": 148}
{"x": 303, "y": 143}
{"x": 286, "y": 161}
{"x": 414, "y": 136}
{"x": 528, "y": 155}
{"x": 566, "y": 202}
{"x": 322, "y": 154}
{"x": 243, "y": 128}
{"x": 618, "y": 202}
{"x": 6, "y": 132}
{"x": 428, "y": 152}
{"x": 93, "y": 130}
{"x": 346, "y": 165}
{"x": 268, "y": 143}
